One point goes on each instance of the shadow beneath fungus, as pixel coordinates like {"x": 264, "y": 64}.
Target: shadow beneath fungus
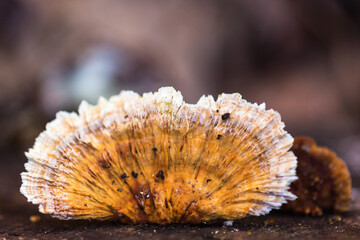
{"x": 276, "y": 225}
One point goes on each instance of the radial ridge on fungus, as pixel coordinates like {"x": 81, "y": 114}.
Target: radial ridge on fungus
{"x": 155, "y": 158}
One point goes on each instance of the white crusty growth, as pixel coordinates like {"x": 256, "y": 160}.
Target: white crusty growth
{"x": 158, "y": 159}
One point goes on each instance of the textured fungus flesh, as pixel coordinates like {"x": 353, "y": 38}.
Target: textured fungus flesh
{"x": 157, "y": 159}
{"x": 324, "y": 181}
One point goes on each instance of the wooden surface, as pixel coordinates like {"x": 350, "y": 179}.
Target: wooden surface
{"x": 21, "y": 220}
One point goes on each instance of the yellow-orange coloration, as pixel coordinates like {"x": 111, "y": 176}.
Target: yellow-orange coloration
{"x": 157, "y": 159}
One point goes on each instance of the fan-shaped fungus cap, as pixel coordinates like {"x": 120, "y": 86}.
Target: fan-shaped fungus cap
{"x": 323, "y": 180}
{"x": 158, "y": 159}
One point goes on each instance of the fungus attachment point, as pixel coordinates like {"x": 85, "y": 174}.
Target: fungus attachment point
{"x": 324, "y": 181}
{"x": 114, "y": 160}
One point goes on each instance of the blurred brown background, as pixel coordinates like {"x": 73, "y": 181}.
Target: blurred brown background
{"x": 300, "y": 57}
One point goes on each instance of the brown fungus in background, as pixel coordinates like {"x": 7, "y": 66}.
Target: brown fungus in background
{"x": 324, "y": 181}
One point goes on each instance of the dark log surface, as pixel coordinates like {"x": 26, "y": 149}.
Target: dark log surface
{"x": 15, "y": 221}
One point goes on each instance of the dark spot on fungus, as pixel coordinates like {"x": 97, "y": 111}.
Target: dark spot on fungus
{"x": 104, "y": 164}
{"x": 160, "y": 174}
{"x": 217, "y": 110}
{"x": 225, "y": 116}
{"x": 136, "y": 151}
{"x": 134, "y": 174}
{"x": 121, "y": 154}
{"x": 208, "y": 180}
{"x": 126, "y": 116}
{"x": 123, "y": 176}
{"x": 154, "y": 149}
{"x": 257, "y": 188}
{"x": 112, "y": 183}
{"x": 219, "y": 136}
{"x": 85, "y": 205}
{"x": 119, "y": 189}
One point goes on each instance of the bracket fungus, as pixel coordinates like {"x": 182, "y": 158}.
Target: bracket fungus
{"x": 160, "y": 160}
{"x": 324, "y": 180}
